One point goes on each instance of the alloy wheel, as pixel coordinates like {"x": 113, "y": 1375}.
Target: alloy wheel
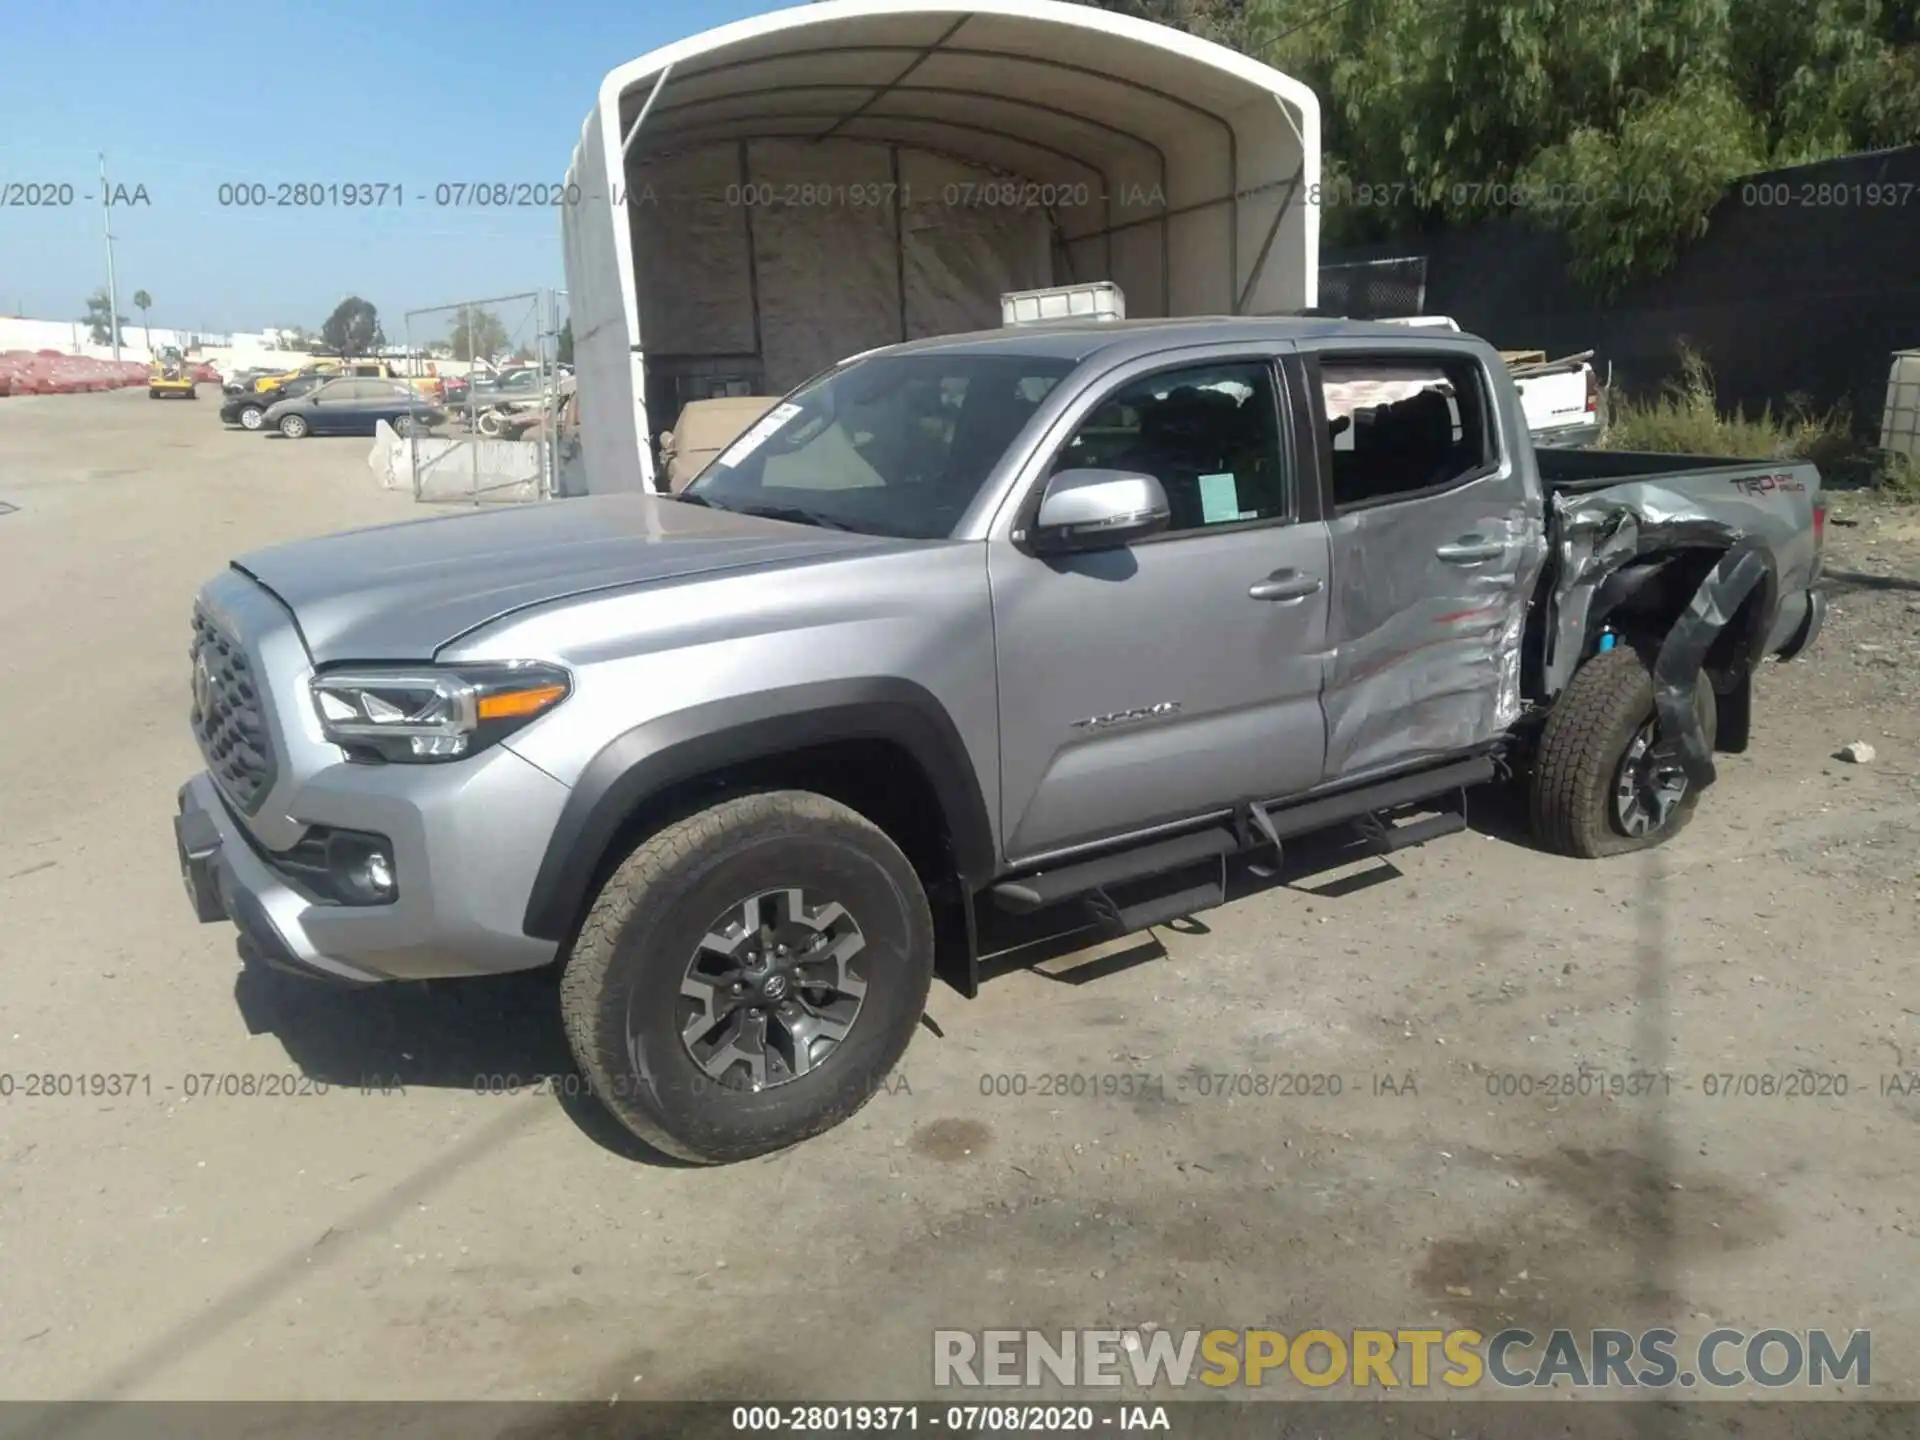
{"x": 1648, "y": 786}
{"x": 772, "y": 990}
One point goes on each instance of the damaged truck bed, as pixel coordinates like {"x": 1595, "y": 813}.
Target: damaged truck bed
{"x": 1705, "y": 564}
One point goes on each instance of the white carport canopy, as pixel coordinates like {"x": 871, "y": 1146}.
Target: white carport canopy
{"x": 813, "y": 182}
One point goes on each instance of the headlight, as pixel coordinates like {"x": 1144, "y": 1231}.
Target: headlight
{"x": 433, "y": 713}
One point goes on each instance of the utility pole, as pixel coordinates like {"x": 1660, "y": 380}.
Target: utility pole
{"x": 113, "y": 293}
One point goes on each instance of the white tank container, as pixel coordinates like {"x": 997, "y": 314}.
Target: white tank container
{"x": 1094, "y": 300}
{"x": 1900, "y": 425}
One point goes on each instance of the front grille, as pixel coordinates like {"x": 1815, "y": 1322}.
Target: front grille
{"x": 227, "y": 717}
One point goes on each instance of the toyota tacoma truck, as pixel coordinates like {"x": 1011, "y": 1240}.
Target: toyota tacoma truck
{"x": 1053, "y": 619}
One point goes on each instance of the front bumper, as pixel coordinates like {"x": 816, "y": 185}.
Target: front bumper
{"x": 467, "y": 841}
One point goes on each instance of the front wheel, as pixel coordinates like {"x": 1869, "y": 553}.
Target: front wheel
{"x": 252, "y": 417}
{"x": 1602, "y": 783}
{"x": 403, "y": 425}
{"x": 749, "y": 975}
{"x": 294, "y": 427}
{"x": 153, "y": 394}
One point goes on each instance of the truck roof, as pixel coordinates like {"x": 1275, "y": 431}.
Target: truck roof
{"x": 1078, "y": 340}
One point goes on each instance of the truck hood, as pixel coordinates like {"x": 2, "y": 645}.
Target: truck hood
{"x": 401, "y": 592}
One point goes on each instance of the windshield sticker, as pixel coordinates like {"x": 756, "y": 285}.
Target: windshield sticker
{"x": 763, "y": 430}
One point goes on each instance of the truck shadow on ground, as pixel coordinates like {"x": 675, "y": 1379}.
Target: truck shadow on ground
{"x": 499, "y": 1035}
{"x": 1330, "y": 865}
{"x": 1841, "y": 582}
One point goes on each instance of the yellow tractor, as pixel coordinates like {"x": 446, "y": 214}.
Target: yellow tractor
{"x": 170, "y": 374}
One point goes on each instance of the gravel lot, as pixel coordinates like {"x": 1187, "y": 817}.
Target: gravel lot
{"x": 402, "y": 1236}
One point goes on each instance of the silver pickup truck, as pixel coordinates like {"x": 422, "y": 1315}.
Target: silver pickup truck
{"x": 1051, "y": 617}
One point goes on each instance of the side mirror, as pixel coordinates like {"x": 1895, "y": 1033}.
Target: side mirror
{"x": 1097, "y": 510}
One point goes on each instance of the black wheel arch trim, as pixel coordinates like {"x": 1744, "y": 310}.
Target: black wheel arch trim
{"x": 673, "y": 749}
{"x": 1676, "y": 669}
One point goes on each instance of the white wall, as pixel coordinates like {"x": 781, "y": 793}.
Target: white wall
{"x": 71, "y": 337}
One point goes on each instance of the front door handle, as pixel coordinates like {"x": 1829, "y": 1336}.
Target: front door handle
{"x": 1471, "y": 550}
{"x": 1285, "y": 586}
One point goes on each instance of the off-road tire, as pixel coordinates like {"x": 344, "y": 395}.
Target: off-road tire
{"x": 646, "y": 923}
{"x": 1570, "y": 793}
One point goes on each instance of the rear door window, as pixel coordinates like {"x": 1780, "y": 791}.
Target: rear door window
{"x": 1404, "y": 426}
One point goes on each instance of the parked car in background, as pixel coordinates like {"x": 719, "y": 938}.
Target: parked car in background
{"x": 704, "y": 429}
{"x": 270, "y": 380}
{"x": 426, "y": 382}
{"x": 351, "y": 405}
{"x": 241, "y": 381}
{"x": 248, "y": 408}
{"x": 511, "y": 385}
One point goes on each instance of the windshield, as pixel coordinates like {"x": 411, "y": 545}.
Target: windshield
{"x": 893, "y": 445}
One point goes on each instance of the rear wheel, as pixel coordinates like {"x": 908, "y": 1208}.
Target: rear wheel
{"x": 1602, "y": 783}
{"x": 748, "y": 976}
{"x": 152, "y": 393}
{"x": 294, "y": 427}
{"x": 403, "y": 425}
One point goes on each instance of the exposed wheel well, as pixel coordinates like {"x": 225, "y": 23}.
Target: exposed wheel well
{"x": 1644, "y": 598}
{"x": 876, "y": 778}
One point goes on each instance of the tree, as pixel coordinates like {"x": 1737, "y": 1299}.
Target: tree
{"x": 477, "y": 334}
{"x": 100, "y": 317}
{"x": 143, "y": 302}
{"x": 353, "y": 328}
{"x": 1629, "y": 119}
{"x": 563, "y": 344}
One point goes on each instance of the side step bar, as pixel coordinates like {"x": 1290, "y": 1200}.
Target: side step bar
{"x": 1365, "y": 799}
{"x": 1255, "y": 825}
{"x": 1383, "y": 838}
{"x": 1050, "y": 887}
{"x": 1159, "y": 909}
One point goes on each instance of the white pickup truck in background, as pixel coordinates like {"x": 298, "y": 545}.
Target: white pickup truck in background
{"x": 1561, "y": 398}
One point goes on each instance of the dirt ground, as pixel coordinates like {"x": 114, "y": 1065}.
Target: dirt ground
{"x": 402, "y": 1236}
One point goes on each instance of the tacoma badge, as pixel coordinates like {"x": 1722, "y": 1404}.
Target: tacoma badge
{"x": 1129, "y": 717}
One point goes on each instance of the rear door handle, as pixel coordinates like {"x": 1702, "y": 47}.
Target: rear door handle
{"x": 1470, "y": 550}
{"x": 1285, "y": 586}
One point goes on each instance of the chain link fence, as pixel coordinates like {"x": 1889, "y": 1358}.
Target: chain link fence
{"x": 1375, "y": 289}
{"x": 495, "y": 423}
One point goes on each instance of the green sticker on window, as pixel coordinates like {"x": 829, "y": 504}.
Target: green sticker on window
{"x": 1219, "y": 500}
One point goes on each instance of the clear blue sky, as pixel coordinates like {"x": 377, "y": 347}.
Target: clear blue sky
{"x": 185, "y": 97}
